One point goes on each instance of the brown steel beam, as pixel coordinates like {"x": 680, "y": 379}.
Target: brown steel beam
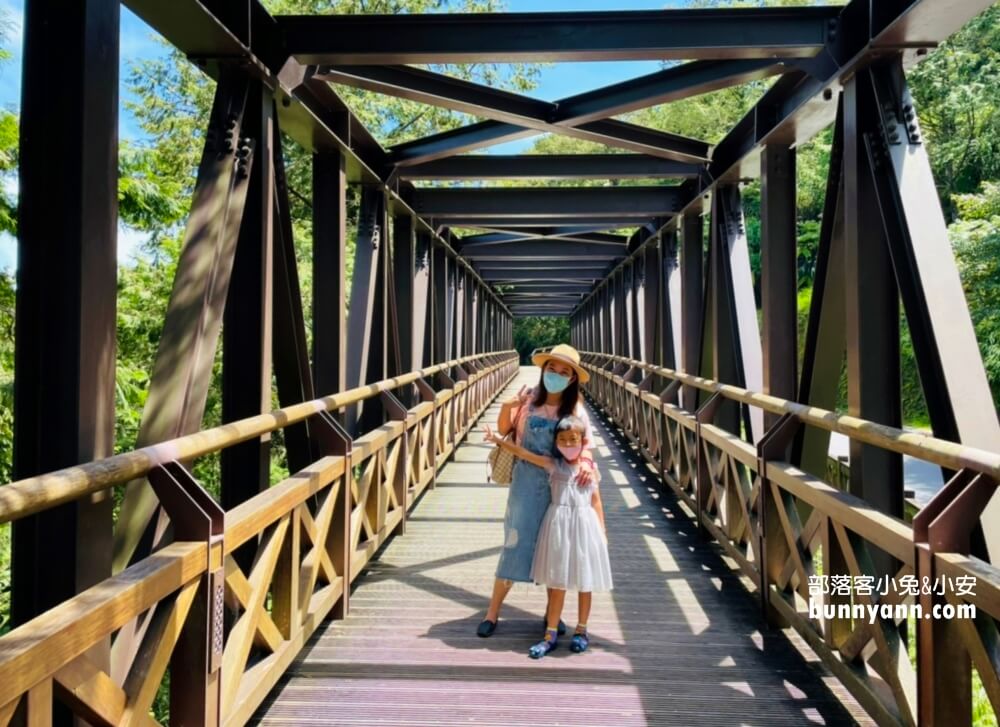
{"x": 779, "y": 283}
{"x": 825, "y": 344}
{"x": 573, "y": 116}
{"x": 182, "y": 369}
{"x": 246, "y": 328}
{"x": 329, "y": 261}
{"x": 64, "y": 360}
{"x": 365, "y": 317}
{"x": 692, "y": 274}
{"x": 872, "y": 308}
{"x": 551, "y": 166}
{"x": 292, "y": 372}
{"x": 576, "y": 36}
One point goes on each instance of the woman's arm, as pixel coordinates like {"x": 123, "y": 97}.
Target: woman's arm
{"x": 588, "y": 470}
{"x": 518, "y": 451}
{"x": 505, "y": 422}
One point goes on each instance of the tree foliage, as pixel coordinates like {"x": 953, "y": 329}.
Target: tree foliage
{"x": 537, "y": 331}
{"x": 975, "y": 237}
{"x": 957, "y": 90}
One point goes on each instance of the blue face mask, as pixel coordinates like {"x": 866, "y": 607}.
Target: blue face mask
{"x": 555, "y": 383}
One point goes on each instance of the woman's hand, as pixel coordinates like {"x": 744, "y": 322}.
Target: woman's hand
{"x": 586, "y": 473}
{"x": 520, "y": 398}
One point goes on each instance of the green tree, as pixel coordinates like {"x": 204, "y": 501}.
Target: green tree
{"x": 957, "y": 90}
{"x": 975, "y": 237}
{"x": 536, "y": 331}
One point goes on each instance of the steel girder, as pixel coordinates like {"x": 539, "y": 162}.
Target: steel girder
{"x": 567, "y": 252}
{"x": 609, "y": 132}
{"x": 565, "y": 203}
{"x": 514, "y": 224}
{"x": 578, "y": 36}
{"x": 575, "y": 116}
{"x": 551, "y": 166}
{"x": 476, "y": 241}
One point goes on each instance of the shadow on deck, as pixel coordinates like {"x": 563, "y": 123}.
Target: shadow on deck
{"x": 678, "y": 642}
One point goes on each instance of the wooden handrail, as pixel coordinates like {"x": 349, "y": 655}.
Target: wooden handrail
{"x": 950, "y": 455}
{"x": 34, "y": 494}
{"x": 314, "y": 532}
{"x": 37, "y": 649}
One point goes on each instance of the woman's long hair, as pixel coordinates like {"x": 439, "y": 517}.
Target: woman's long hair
{"x": 570, "y": 395}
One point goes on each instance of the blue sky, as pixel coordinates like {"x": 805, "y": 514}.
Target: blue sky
{"x": 138, "y": 41}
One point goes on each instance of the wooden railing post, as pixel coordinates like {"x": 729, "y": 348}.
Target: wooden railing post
{"x": 667, "y": 396}
{"x": 196, "y": 664}
{"x": 333, "y": 440}
{"x": 397, "y": 412}
{"x": 703, "y": 481}
{"x": 446, "y": 382}
{"x": 427, "y": 394}
{"x": 944, "y": 525}
{"x": 774, "y": 445}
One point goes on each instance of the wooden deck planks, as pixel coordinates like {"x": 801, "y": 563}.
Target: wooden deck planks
{"x": 679, "y": 641}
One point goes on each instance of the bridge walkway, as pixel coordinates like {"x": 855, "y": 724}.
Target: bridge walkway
{"x": 678, "y": 642}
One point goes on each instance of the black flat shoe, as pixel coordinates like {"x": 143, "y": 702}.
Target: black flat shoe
{"x": 486, "y": 628}
{"x": 562, "y": 626}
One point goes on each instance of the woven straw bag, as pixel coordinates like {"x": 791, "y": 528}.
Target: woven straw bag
{"x": 501, "y": 464}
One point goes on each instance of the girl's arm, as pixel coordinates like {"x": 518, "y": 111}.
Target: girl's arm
{"x": 519, "y": 451}
{"x": 595, "y": 502}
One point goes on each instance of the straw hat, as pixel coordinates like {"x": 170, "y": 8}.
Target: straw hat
{"x": 565, "y": 354}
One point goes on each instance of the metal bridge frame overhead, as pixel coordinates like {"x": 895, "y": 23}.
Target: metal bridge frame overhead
{"x": 440, "y": 273}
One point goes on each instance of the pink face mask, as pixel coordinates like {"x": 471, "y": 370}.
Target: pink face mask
{"x": 570, "y": 453}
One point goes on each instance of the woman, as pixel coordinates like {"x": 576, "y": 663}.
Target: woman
{"x": 533, "y": 415}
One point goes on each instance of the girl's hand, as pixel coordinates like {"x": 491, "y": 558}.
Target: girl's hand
{"x": 490, "y": 436}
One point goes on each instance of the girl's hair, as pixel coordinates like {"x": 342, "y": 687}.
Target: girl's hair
{"x": 570, "y": 395}
{"x": 569, "y": 423}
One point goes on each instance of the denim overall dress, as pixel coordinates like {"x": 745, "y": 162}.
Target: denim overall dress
{"x": 527, "y": 502}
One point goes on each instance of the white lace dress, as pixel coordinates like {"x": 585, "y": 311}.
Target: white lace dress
{"x": 571, "y": 553}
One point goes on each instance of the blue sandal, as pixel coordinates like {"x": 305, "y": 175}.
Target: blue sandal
{"x": 579, "y": 643}
{"x": 543, "y": 647}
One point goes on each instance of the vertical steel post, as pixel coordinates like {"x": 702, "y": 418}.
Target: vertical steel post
{"x": 779, "y": 285}
{"x": 247, "y": 319}
{"x": 824, "y": 346}
{"x": 363, "y": 336}
{"x": 872, "y": 307}
{"x": 692, "y": 277}
{"x": 441, "y": 317}
{"x": 64, "y": 384}
{"x": 329, "y": 303}
{"x": 651, "y": 308}
{"x": 671, "y": 294}
{"x": 408, "y": 309}
{"x": 460, "y": 310}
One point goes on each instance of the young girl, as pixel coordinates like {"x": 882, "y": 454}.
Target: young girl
{"x": 571, "y": 552}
